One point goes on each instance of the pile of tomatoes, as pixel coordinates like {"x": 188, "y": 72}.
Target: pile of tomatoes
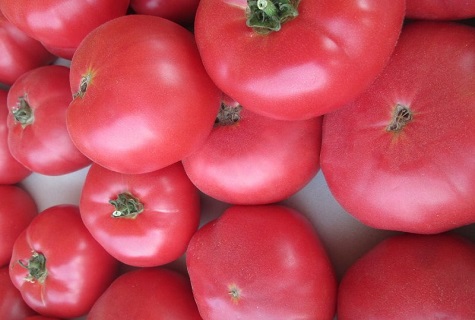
{"x": 166, "y": 105}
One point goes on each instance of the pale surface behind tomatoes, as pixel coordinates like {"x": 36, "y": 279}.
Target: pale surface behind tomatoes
{"x": 421, "y": 178}
{"x": 411, "y": 277}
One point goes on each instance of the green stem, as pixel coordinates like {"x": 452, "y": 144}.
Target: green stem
{"x": 265, "y": 16}
{"x": 36, "y": 266}
{"x": 22, "y": 112}
{"x": 126, "y": 206}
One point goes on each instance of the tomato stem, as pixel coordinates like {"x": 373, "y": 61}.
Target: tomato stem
{"x": 402, "y": 115}
{"x": 265, "y": 16}
{"x": 85, "y": 80}
{"x": 22, "y": 112}
{"x": 36, "y": 266}
{"x": 228, "y": 114}
{"x": 126, "y": 206}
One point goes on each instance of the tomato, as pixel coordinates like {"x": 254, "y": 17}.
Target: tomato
{"x": 261, "y": 262}
{"x": 411, "y": 276}
{"x": 179, "y": 11}
{"x": 254, "y": 159}
{"x": 11, "y": 171}
{"x": 440, "y": 9}
{"x": 38, "y": 137}
{"x": 143, "y": 219}
{"x": 19, "y": 52}
{"x": 322, "y": 55}
{"x": 61, "y": 25}
{"x": 57, "y": 265}
{"x": 12, "y": 306}
{"x": 143, "y": 99}
{"x": 147, "y": 293}
{"x": 401, "y": 156}
{"x": 17, "y": 210}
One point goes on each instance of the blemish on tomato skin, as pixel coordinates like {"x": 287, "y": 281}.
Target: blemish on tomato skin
{"x": 234, "y": 293}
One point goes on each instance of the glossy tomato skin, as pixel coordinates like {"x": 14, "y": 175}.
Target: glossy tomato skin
{"x": 17, "y": 210}
{"x": 316, "y": 62}
{"x": 11, "y": 171}
{"x": 261, "y": 262}
{"x": 179, "y": 11}
{"x": 411, "y": 276}
{"x": 61, "y": 25}
{"x": 19, "y": 52}
{"x": 257, "y": 159}
{"x": 156, "y": 236}
{"x": 419, "y": 179}
{"x": 43, "y": 145}
{"x": 149, "y": 112}
{"x": 147, "y": 293}
{"x": 12, "y": 306}
{"x": 78, "y": 268}
{"x": 440, "y": 9}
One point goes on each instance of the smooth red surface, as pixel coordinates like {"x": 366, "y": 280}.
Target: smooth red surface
{"x": 421, "y": 179}
{"x": 411, "y": 277}
{"x": 147, "y": 293}
{"x": 19, "y": 52}
{"x": 44, "y": 146}
{"x": 158, "y": 235}
{"x": 78, "y": 268}
{"x": 12, "y": 306}
{"x": 61, "y": 25}
{"x": 150, "y": 102}
{"x": 261, "y": 262}
{"x": 257, "y": 160}
{"x": 440, "y": 9}
{"x": 318, "y": 61}
{"x": 11, "y": 171}
{"x": 179, "y": 11}
{"x": 17, "y": 210}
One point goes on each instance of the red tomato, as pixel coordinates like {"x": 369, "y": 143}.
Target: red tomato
{"x": 401, "y": 156}
{"x": 144, "y": 219}
{"x": 19, "y": 53}
{"x": 253, "y": 159}
{"x": 411, "y": 277}
{"x": 61, "y": 25}
{"x": 11, "y": 171}
{"x": 440, "y": 9}
{"x": 17, "y": 210}
{"x": 38, "y": 137}
{"x": 179, "y": 11}
{"x": 143, "y": 99}
{"x": 147, "y": 293}
{"x": 316, "y": 61}
{"x": 57, "y": 265}
{"x": 12, "y": 306}
{"x": 261, "y": 262}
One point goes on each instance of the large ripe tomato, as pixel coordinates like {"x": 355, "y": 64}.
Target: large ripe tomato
{"x": 143, "y": 219}
{"x": 411, "y": 277}
{"x": 57, "y": 265}
{"x": 261, "y": 262}
{"x": 254, "y": 159}
{"x": 12, "y": 306}
{"x": 323, "y": 55}
{"x": 19, "y": 53}
{"x": 17, "y": 210}
{"x": 61, "y": 25}
{"x": 11, "y": 171}
{"x": 179, "y": 11}
{"x": 38, "y": 137}
{"x": 147, "y": 293}
{"x": 143, "y": 98}
{"x": 401, "y": 156}
{"x": 440, "y": 9}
